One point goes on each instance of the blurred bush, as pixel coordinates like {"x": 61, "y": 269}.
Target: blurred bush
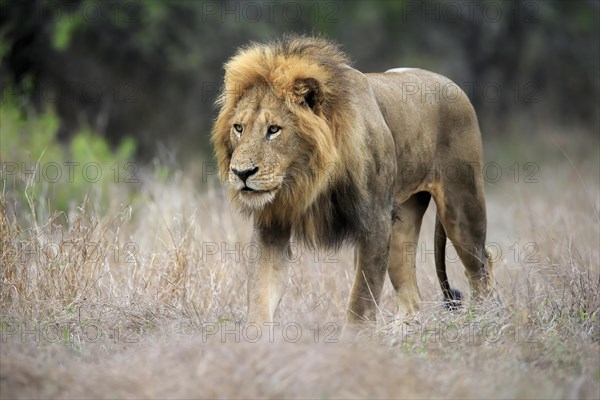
{"x": 47, "y": 174}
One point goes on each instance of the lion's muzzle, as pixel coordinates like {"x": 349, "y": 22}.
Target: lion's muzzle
{"x": 244, "y": 174}
{"x": 256, "y": 187}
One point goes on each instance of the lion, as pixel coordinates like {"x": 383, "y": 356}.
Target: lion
{"x": 317, "y": 152}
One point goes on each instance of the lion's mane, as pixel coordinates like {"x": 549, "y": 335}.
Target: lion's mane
{"x": 323, "y": 196}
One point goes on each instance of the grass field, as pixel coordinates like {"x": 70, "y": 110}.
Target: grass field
{"x": 146, "y": 299}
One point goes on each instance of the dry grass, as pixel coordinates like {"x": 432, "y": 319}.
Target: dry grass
{"x": 144, "y": 302}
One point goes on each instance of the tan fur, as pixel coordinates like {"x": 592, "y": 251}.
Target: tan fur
{"x": 354, "y": 152}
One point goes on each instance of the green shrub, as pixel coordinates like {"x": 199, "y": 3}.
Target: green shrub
{"x": 40, "y": 171}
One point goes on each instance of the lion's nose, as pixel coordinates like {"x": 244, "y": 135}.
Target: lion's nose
{"x": 244, "y": 174}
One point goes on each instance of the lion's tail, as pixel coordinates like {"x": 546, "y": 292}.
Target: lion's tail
{"x": 452, "y": 297}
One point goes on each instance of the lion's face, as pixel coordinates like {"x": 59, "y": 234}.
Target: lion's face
{"x": 278, "y": 131}
{"x": 265, "y": 143}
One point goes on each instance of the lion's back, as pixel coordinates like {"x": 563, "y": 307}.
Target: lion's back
{"x": 417, "y": 103}
{"x": 430, "y": 117}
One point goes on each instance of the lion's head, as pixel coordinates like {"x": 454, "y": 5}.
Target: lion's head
{"x": 284, "y": 127}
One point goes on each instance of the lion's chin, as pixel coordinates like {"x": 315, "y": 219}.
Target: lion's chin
{"x": 257, "y": 199}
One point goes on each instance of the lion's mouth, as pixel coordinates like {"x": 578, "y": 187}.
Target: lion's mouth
{"x": 257, "y": 198}
{"x": 250, "y": 190}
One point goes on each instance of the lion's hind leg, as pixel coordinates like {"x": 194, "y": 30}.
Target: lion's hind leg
{"x": 403, "y": 252}
{"x": 462, "y": 215}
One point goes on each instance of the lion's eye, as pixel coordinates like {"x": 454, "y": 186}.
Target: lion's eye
{"x": 238, "y": 128}
{"x": 273, "y": 131}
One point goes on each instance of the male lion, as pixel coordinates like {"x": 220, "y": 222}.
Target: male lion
{"x": 320, "y": 152}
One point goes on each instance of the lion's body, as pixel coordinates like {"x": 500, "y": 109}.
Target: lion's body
{"x": 350, "y": 153}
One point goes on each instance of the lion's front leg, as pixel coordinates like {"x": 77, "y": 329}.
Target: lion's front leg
{"x": 268, "y": 275}
{"x": 371, "y": 265}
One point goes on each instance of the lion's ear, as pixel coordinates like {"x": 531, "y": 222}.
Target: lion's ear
{"x": 309, "y": 93}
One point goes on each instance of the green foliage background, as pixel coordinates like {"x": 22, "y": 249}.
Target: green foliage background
{"x": 115, "y": 81}
{"x": 55, "y": 175}
{"x": 159, "y": 63}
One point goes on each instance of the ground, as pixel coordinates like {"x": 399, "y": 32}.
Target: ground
{"x": 146, "y": 300}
